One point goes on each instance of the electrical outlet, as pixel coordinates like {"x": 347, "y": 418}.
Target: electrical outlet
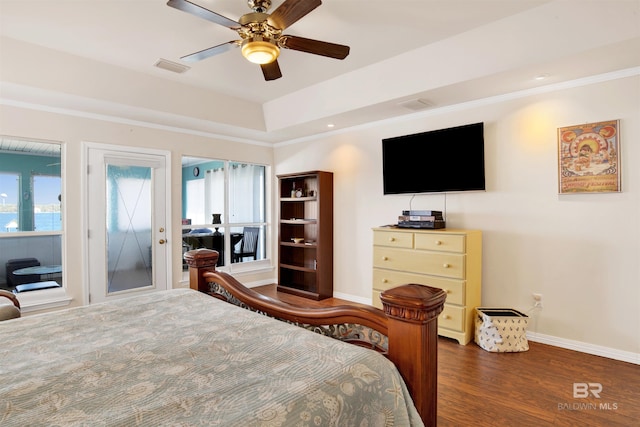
{"x": 537, "y": 298}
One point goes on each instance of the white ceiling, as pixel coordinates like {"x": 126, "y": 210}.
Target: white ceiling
{"x": 443, "y": 51}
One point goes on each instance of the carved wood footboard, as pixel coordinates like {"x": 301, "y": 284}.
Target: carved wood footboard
{"x": 406, "y": 331}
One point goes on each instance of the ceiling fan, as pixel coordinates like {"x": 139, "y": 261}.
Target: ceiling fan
{"x": 261, "y": 35}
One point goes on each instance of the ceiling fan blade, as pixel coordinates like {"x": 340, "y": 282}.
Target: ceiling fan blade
{"x": 207, "y": 53}
{"x": 271, "y": 71}
{"x": 315, "y": 47}
{"x": 291, "y": 11}
{"x": 201, "y": 12}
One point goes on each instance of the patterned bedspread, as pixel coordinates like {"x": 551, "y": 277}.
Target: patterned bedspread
{"x": 182, "y": 358}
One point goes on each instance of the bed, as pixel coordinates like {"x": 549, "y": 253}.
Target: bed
{"x": 220, "y": 354}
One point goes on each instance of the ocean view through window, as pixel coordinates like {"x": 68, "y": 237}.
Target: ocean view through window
{"x": 46, "y": 206}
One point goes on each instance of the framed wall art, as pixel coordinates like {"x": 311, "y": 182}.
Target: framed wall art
{"x": 589, "y": 158}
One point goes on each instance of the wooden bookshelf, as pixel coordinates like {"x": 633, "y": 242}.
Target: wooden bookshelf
{"x": 305, "y": 267}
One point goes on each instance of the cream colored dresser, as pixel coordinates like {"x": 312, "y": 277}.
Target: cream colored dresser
{"x": 448, "y": 259}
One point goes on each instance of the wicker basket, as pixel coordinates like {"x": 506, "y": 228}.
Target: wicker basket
{"x": 501, "y": 330}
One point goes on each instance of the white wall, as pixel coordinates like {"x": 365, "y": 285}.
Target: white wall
{"x": 582, "y": 252}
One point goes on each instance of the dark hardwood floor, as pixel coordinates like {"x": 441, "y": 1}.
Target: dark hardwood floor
{"x": 533, "y": 388}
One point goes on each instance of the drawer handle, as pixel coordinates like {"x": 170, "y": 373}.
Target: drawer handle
{"x": 438, "y": 242}
{"x": 447, "y": 291}
{"x": 385, "y": 258}
{"x": 446, "y": 317}
{"x": 392, "y": 239}
{"x": 445, "y": 265}
{"x": 385, "y": 281}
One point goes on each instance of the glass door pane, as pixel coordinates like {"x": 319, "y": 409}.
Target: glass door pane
{"x": 129, "y": 227}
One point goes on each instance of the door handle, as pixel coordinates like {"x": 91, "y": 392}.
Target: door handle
{"x": 162, "y": 241}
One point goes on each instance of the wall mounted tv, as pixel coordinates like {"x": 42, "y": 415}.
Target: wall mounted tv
{"x": 445, "y": 160}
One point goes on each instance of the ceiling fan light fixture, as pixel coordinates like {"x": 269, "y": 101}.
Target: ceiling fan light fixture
{"x": 259, "y": 51}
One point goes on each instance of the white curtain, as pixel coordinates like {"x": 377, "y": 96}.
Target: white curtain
{"x": 246, "y": 184}
{"x": 195, "y": 207}
{"x": 214, "y": 194}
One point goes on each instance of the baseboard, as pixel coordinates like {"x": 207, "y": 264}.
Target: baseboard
{"x": 352, "y": 298}
{"x": 257, "y": 283}
{"x": 597, "y": 350}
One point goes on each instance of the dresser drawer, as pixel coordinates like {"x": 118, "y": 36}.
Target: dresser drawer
{"x": 387, "y": 279}
{"x": 395, "y": 239}
{"x": 423, "y": 262}
{"x": 440, "y": 242}
{"x": 452, "y": 317}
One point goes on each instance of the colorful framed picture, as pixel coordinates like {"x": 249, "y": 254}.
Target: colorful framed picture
{"x": 589, "y": 158}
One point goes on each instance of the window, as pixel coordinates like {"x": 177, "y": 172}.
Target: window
{"x": 224, "y": 208}
{"x": 9, "y": 210}
{"x": 46, "y": 203}
{"x": 30, "y": 212}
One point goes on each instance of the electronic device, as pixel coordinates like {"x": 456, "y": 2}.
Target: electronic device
{"x": 422, "y": 224}
{"x": 444, "y": 160}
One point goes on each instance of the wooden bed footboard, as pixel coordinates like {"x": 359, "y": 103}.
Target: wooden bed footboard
{"x": 406, "y": 330}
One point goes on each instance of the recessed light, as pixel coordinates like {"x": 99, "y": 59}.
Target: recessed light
{"x": 541, "y": 76}
{"x": 330, "y": 125}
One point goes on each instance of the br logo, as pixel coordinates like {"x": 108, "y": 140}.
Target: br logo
{"x": 583, "y": 390}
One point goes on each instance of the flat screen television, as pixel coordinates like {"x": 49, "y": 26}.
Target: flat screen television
{"x": 444, "y": 160}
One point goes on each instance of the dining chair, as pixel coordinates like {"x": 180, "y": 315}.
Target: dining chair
{"x": 248, "y": 246}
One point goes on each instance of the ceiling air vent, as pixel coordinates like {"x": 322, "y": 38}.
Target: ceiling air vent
{"x": 171, "y": 66}
{"x": 416, "y": 104}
